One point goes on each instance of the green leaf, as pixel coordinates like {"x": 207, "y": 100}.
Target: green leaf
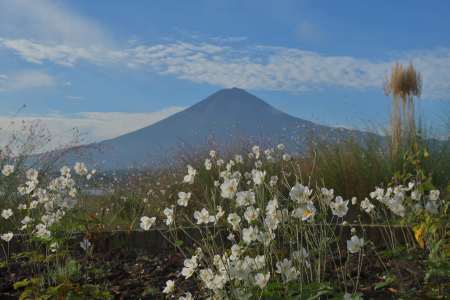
{"x": 390, "y": 279}
{"x": 21, "y": 284}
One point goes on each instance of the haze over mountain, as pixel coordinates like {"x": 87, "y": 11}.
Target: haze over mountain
{"x": 226, "y": 119}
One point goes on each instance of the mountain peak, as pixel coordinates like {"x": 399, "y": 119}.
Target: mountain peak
{"x": 232, "y": 99}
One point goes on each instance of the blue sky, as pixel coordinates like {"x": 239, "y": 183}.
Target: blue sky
{"x": 108, "y": 67}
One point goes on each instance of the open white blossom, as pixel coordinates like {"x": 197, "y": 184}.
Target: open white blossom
{"x": 190, "y": 265}
{"x": 228, "y": 188}
{"x": 189, "y": 178}
{"x": 367, "y": 206}
{"x": 245, "y": 198}
{"x": 251, "y": 214}
{"x": 287, "y": 270}
{"x": 170, "y": 287}
{"x": 208, "y": 164}
{"x": 183, "y": 198}
{"x": 80, "y": 168}
{"x": 305, "y": 212}
{"x": 434, "y": 195}
{"x": 261, "y": 279}
{"x": 238, "y": 159}
{"x": 7, "y": 170}
{"x": 7, "y": 213}
{"x": 258, "y": 176}
{"x": 300, "y": 193}
{"x": 203, "y": 217}
{"x": 234, "y": 220}
{"x": 355, "y": 244}
{"x": 168, "y": 212}
{"x": 32, "y": 174}
{"x": 147, "y": 223}
{"x": 250, "y": 234}
{"x": 339, "y": 207}
{"x": 7, "y": 237}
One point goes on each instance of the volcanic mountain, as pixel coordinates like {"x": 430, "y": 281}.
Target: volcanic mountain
{"x": 226, "y": 119}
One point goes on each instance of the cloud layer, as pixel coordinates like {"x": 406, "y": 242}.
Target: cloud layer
{"x": 252, "y": 67}
{"x": 25, "y": 80}
{"x": 90, "y": 126}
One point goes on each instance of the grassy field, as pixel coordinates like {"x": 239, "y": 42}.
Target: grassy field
{"x": 343, "y": 221}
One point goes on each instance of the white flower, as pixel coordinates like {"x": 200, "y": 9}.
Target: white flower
{"x": 305, "y": 212}
{"x": 339, "y": 207}
{"x": 168, "y": 212}
{"x": 212, "y": 153}
{"x": 272, "y": 206}
{"x": 170, "y": 287}
{"x": 261, "y": 279}
{"x": 239, "y": 159}
{"x": 147, "y": 223}
{"x": 367, "y": 206}
{"x": 208, "y": 164}
{"x": 287, "y": 271}
{"x": 85, "y": 244}
{"x": 183, "y": 198}
{"x": 189, "y": 267}
{"x": 236, "y": 252}
{"x": 280, "y": 147}
{"x": 80, "y": 168}
{"x": 32, "y": 174}
{"x": 189, "y": 178}
{"x": 245, "y": 198}
{"x": 256, "y": 151}
{"x": 234, "y": 220}
{"x": 395, "y": 204}
{"x": 219, "y": 214}
{"x": 206, "y": 275}
{"x": 273, "y": 181}
{"x": 7, "y": 170}
{"x": 250, "y": 234}
{"x": 65, "y": 171}
{"x": 258, "y": 176}
{"x": 203, "y": 217}
{"x": 7, "y": 237}
{"x": 328, "y": 194}
{"x": 228, "y": 188}
{"x": 434, "y": 195}
{"x": 355, "y": 244}
{"x": 41, "y": 231}
{"x": 26, "y": 220}
{"x": 220, "y": 162}
{"x": 300, "y": 193}
{"x": 251, "y": 214}
{"x": 187, "y": 296}
{"x": 7, "y": 213}
{"x": 286, "y": 157}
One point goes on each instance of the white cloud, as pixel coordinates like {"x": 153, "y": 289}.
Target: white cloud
{"x": 50, "y": 21}
{"x": 252, "y": 67}
{"x": 25, "y": 80}
{"x": 91, "y": 126}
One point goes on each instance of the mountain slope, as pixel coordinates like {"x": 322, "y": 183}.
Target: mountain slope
{"x": 227, "y": 117}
